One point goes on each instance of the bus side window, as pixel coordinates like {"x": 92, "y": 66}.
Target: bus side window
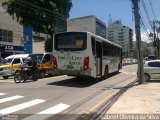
{"x": 109, "y": 50}
{"x": 105, "y": 49}
{"x": 93, "y": 46}
{"x": 116, "y": 52}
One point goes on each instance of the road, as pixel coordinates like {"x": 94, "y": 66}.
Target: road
{"x": 60, "y": 97}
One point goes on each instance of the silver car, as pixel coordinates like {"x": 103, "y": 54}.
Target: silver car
{"x": 152, "y": 70}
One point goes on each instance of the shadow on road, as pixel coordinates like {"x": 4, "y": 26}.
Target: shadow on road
{"x": 74, "y": 82}
{"x": 80, "y": 82}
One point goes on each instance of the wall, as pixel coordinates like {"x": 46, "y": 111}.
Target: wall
{"x": 82, "y": 24}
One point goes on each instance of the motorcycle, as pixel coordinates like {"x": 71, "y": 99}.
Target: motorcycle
{"x": 26, "y": 73}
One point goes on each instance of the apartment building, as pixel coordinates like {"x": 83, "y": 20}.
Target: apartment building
{"x": 87, "y": 23}
{"x": 122, "y": 35}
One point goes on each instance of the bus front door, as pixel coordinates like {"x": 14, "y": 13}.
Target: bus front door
{"x": 98, "y": 59}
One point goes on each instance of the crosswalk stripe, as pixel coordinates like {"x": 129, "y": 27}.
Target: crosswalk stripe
{"x": 10, "y": 98}
{"x": 20, "y": 106}
{"x": 6, "y": 81}
{"x": 2, "y": 93}
{"x": 48, "y": 112}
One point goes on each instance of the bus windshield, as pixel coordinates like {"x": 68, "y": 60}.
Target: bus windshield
{"x": 72, "y": 41}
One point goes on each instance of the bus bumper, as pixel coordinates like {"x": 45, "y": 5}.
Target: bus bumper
{"x": 73, "y": 72}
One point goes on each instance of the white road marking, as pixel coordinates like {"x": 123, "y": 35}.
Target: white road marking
{"x": 2, "y": 93}
{"x": 20, "y": 106}
{"x": 6, "y": 81}
{"x": 10, "y": 98}
{"x": 128, "y": 72}
{"x": 54, "y": 77}
{"x": 48, "y": 112}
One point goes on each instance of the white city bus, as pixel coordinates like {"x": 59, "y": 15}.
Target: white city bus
{"x": 85, "y": 54}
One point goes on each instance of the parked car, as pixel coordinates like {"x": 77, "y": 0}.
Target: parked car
{"x": 45, "y": 63}
{"x": 126, "y": 61}
{"x": 11, "y": 64}
{"x": 152, "y": 70}
{"x": 151, "y": 57}
{"x": 134, "y": 61}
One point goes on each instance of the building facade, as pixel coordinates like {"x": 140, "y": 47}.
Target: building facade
{"x": 11, "y": 33}
{"x": 122, "y": 35}
{"x": 87, "y": 23}
{"x": 12, "y": 39}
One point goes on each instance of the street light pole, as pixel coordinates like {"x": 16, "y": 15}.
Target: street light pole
{"x": 138, "y": 42}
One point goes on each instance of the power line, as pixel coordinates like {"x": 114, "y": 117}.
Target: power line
{"x": 152, "y": 9}
{"x": 141, "y": 20}
{"x": 146, "y": 12}
{"x": 143, "y": 23}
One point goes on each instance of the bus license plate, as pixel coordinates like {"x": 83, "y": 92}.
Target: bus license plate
{"x": 70, "y": 67}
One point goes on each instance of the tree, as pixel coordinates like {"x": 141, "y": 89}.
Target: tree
{"x": 47, "y": 16}
{"x": 146, "y": 52}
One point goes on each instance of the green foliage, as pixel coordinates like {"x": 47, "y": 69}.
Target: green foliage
{"x": 46, "y": 16}
{"x": 146, "y": 52}
{"x": 49, "y": 43}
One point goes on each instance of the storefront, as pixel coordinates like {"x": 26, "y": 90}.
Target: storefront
{"x": 6, "y": 50}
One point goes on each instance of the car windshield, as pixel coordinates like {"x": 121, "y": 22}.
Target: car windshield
{"x": 36, "y": 57}
{"x": 151, "y": 57}
{"x": 7, "y": 61}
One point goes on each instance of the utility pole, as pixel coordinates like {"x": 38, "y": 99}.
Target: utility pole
{"x": 154, "y": 39}
{"x": 138, "y": 41}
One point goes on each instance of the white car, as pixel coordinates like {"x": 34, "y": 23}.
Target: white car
{"x": 152, "y": 70}
{"x": 134, "y": 61}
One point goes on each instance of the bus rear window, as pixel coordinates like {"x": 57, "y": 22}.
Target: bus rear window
{"x": 70, "y": 41}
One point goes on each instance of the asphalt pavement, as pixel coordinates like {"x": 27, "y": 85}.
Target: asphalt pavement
{"x": 63, "y": 93}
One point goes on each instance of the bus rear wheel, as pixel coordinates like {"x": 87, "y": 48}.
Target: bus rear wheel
{"x": 118, "y": 69}
{"x": 105, "y": 73}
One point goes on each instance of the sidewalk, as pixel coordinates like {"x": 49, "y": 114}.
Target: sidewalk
{"x": 139, "y": 99}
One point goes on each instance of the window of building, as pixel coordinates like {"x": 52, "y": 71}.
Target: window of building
{"x": 0, "y": 32}
{"x": 10, "y": 35}
{"x": 6, "y": 35}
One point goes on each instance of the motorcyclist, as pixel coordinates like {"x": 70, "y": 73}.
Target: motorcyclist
{"x": 33, "y": 66}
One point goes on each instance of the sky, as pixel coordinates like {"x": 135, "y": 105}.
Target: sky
{"x": 118, "y": 10}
